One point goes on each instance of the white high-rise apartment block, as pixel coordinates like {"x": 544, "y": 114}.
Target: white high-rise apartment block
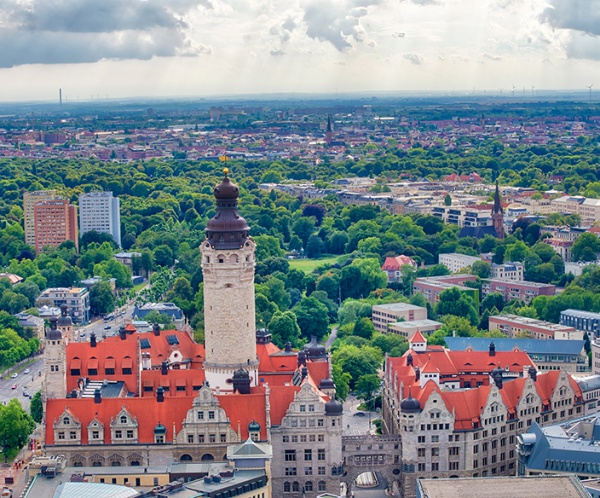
{"x": 99, "y": 211}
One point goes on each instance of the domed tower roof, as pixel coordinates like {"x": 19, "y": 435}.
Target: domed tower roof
{"x": 53, "y": 334}
{"x": 160, "y": 429}
{"x": 326, "y": 384}
{"x": 254, "y": 426}
{"x": 64, "y": 320}
{"x": 227, "y": 229}
{"x": 314, "y": 350}
{"x": 410, "y": 405}
{"x": 333, "y": 407}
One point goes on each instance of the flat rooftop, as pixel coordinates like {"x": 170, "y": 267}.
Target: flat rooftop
{"x": 397, "y": 307}
{"x": 502, "y": 487}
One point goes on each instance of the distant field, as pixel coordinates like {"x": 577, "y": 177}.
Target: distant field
{"x": 308, "y": 265}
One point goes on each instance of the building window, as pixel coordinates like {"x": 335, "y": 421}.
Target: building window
{"x": 109, "y": 371}
{"x": 200, "y": 415}
{"x": 286, "y": 487}
{"x": 223, "y": 438}
{"x": 421, "y": 467}
{"x": 190, "y": 438}
{"x": 321, "y": 438}
{"x": 435, "y": 466}
{"x": 321, "y": 471}
{"x": 322, "y": 486}
{"x": 435, "y": 451}
{"x": 212, "y": 438}
{"x": 453, "y": 451}
{"x": 290, "y": 455}
{"x": 290, "y": 471}
{"x": 130, "y": 434}
{"x": 211, "y": 415}
{"x": 61, "y": 435}
{"x": 421, "y": 452}
{"x": 200, "y": 438}
{"x": 127, "y": 371}
{"x": 421, "y": 439}
{"x": 91, "y": 371}
{"x": 320, "y": 422}
{"x": 321, "y": 454}
{"x": 307, "y": 455}
{"x": 308, "y": 471}
{"x": 302, "y": 408}
{"x": 118, "y": 434}
{"x": 286, "y": 439}
{"x": 453, "y": 465}
{"x": 95, "y": 435}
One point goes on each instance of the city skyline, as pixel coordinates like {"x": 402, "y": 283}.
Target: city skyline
{"x": 227, "y": 47}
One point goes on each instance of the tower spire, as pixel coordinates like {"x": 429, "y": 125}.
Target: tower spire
{"x": 498, "y": 214}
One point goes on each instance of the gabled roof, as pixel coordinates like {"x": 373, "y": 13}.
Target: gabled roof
{"x": 417, "y": 337}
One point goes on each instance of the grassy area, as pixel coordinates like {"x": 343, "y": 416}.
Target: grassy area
{"x": 308, "y": 265}
{"x": 139, "y": 287}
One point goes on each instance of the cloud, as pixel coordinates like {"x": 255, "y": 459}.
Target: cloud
{"x": 578, "y": 15}
{"x": 491, "y": 57}
{"x": 413, "y": 58}
{"x": 337, "y": 22}
{"x": 75, "y": 31}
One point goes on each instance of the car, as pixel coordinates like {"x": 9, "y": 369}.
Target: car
{"x": 360, "y": 414}
{"x": 82, "y": 335}
{"x": 26, "y": 371}
{"x": 26, "y": 394}
{"x": 14, "y": 376}
{"x": 108, "y": 327}
{"x": 14, "y": 386}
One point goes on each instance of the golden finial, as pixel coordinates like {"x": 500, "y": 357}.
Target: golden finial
{"x": 226, "y": 171}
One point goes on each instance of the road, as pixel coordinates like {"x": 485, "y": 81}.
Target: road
{"x": 31, "y": 382}
{"x": 105, "y": 329}
{"x": 355, "y": 424}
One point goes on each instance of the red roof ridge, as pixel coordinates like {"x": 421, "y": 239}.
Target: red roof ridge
{"x": 417, "y": 337}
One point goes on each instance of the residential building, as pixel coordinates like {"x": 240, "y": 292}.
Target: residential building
{"x": 169, "y": 309}
{"x": 567, "y": 355}
{"x": 459, "y": 412}
{"x": 582, "y": 320}
{"x": 567, "y": 486}
{"x": 393, "y": 266}
{"x": 562, "y": 247}
{"x": 385, "y": 314}
{"x": 12, "y": 278}
{"x": 511, "y": 289}
{"x": 29, "y": 201}
{"x": 508, "y": 271}
{"x": 564, "y": 448}
{"x": 31, "y": 321}
{"x": 456, "y": 262}
{"x": 590, "y": 389}
{"x": 409, "y": 328}
{"x": 588, "y": 209}
{"x": 55, "y": 221}
{"x": 521, "y": 326}
{"x": 99, "y": 211}
{"x": 595, "y": 345}
{"x": 127, "y": 257}
{"x": 431, "y": 287}
{"x": 76, "y": 298}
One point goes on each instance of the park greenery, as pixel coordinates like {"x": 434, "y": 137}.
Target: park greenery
{"x": 166, "y": 204}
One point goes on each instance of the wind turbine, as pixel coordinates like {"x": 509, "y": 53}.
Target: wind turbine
{"x": 589, "y": 87}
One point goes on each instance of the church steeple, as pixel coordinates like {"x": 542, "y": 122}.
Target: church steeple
{"x": 329, "y": 132}
{"x": 498, "y": 214}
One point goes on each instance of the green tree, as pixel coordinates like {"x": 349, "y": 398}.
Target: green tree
{"x": 454, "y": 302}
{"x": 36, "y": 408}
{"x": 358, "y": 361}
{"x": 114, "y": 269}
{"x": 586, "y": 247}
{"x": 482, "y": 269}
{"x": 312, "y": 317}
{"x": 363, "y": 327}
{"x": 304, "y": 228}
{"x": 183, "y": 289}
{"x": 277, "y": 293}
{"x": 314, "y": 247}
{"x": 447, "y": 200}
{"x": 341, "y": 380}
{"x": 102, "y": 300}
{"x": 284, "y": 328}
{"x": 367, "y": 386}
{"x": 15, "y": 424}
{"x": 268, "y": 246}
{"x": 493, "y": 300}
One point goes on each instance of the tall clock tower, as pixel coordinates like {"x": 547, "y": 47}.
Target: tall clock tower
{"x": 229, "y": 314}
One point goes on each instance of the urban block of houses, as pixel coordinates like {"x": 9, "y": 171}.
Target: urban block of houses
{"x": 393, "y": 266}
{"x": 76, "y": 298}
{"x": 567, "y": 355}
{"x": 408, "y": 329}
{"x": 431, "y": 287}
{"x": 511, "y": 289}
{"x": 515, "y": 326}
{"x": 508, "y": 271}
{"x": 582, "y": 320}
{"x": 460, "y": 412}
{"x": 384, "y": 315}
{"x": 456, "y": 262}
{"x": 169, "y": 309}
{"x": 566, "y": 448}
{"x": 588, "y": 209}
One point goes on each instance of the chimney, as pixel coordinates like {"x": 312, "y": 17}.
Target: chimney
{"x": 92, "y": 340}
{"x": 302, "y": 358}
{"x": 122, "y": 333}
{"x": 417, "y": 374}
{"x": 409, "y": 360}
{"x": 156, "y": 328}
{"x": 97, "y": 396}
{"x": 160, "y": 395}
{"x": 492, "y": 349}
{"x": 304, "y": 372}
{"x": 164, "y": 368}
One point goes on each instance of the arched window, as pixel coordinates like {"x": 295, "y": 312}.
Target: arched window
{"x": 234, "y": 258}
{"x": 295, "y": 486}
{"x": 207, "y": 457}
{"x": 123, "y": 419}
{"x": 308, "y": 486}
{"x": 286, "y": 487}
{"x": 322, "y": 486}
{"x": 185, "y": 458}
{"x": 66, "y": 421}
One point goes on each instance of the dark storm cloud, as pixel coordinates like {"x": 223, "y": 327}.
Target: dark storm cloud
{"x": 75, "y": 31}
{"x": 578, "y": 15}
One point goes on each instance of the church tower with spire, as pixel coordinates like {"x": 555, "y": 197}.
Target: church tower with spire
{"x": 329, "y": 131}
{"x": 498, "y": 214}
{"x": 229, "y": 314}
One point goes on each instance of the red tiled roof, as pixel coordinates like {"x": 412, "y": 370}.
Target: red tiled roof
{"x": 174, "y": 378}
{"x": 396, "y": 262}
{"x": 417, "y": 337}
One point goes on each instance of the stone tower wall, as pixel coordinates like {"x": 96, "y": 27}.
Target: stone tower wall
{"x": 55, "y": 365}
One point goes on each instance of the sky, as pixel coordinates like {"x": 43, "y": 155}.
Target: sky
{"x": 108, "y": 49}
